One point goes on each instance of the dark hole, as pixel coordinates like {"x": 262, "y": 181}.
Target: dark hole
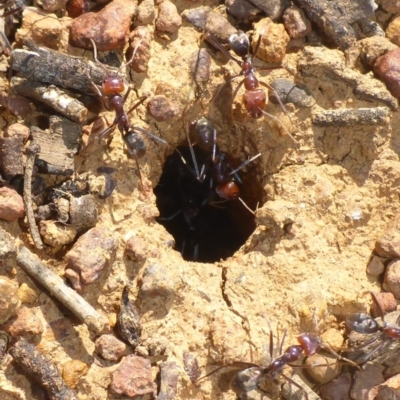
{"x": 205, "y": 228}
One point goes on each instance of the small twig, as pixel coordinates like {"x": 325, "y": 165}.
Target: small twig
{"x": 31, "y": 264}
{"x": 31, "y": 152}
{"x": 42, "y": 370}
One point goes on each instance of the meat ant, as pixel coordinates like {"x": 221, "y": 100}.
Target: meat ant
{"x": 197, "y": 179}
{"x": 112, "y": 88}
{"x": 254, "y": 97}
{"x": 250, "y": 376}
{"x": 382, "y": 337}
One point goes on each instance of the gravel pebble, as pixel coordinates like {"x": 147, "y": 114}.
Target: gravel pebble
{"x": 169, "y": 380}
{"x": 338, "y": 389}
{"x": 197, "y": 16}
{"x": 162, "y": 109}
{"x": 374, "y": 47}
{"x": 365, "y": 380}
{"x": 139, "y": 249}
{"x": 56, "y": 234}
{"x": 324, "y": 373}
{"x": 391, "y": 281}
{"x": 146, "y": 13}
{"x": 133, "y": 377}
{"x": 72, "y": 371}
{"x": 19, "y": 106}
{"x": 391, "y": 6}
{"x": 388, "y": 244}
{"x": 296, "y": 23}
{"x": 219, "y": 27}
{"x": 140, "y": 35}
{"x": 273, "y": 43}
{"x": 390, "y": 389}
{"x": 375, "y": 266}
{"x": 52, "y": 5}
{"x": 27, "y": 294}
{"x": 393, "y": 31}
{"x": 109, "y": 28}
{"x": 168, "y": 19}
{"x": 11, "y": 156}
{"x": 9, "y": 301}
{"x": 387, "y": 68}
{"x": 19, "y": 130}
{"x": 241, "y": 9}
{"x": 24, "y": 323}
{"x": 75, "y": 8}
{"x": 11, "y": 204}
{"x": 110, "y": 348}
{"x": 89, "y": 256}
{"x": 387, "y": 303}
{"x": 8, "y": 248}
{"x": 273, "y": 8}
{"x": 200, "y": 65}
{"x": 289, "y": 92}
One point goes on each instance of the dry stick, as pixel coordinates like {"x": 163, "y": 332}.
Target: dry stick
{"x": 52, "y": 96}
{"x": 32, "y": 265}
{"x": 31, "y": 151}
{"x": 42, "y": 370}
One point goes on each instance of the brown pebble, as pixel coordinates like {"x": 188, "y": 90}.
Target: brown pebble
{"x": 4, "y": 340}
{"x": 56, "y": 234}
{"x": 25, "y": 322}
{"x": 391, "y": 281}
{"x": 391, "y": 6}
{"x": 44, "y": 30}
{"x": 89, "y": 256}
{"x": 11, "y": 204}
{"x": 140, "y": 249}
{"x": 75, "y": 8}
{"x": 273, "y": 43}
{"x": 72, "y": 371}
{"x": 129, "y": 326}
{"x": 375, "y": 266}
{"x": 330, "y": 370}
{"x": 18, "y": 105}
{"x": 387, "y": 68}
{"x": 388, "y": 244}
{"x": 162, "y": 109}
{"x": 83, "y": 212}
{"x": 191, "y": 366}
{"x": 241, "y": 9}
{"x": 169, "y": 380}
{"x": 390, "y": 389}
{"x": 387, "y": 303}
{"x": 168, "y": 19}
{"x": 18, "y": 130}
{"x": 146, "y": 13}
{"x": 365, "y": 380}
{"x": 372, "y": 48}
{"x": 8, "y": 247}
{"x": 393, "y": 31}
{"x": 140, "y": 39}
{"x": 27, "y": 294}
{"x": 219, "y": 27}
{"x": 338, "y": 389}
{"x": 11, "y": 156}
{"x": 200, "y": 65}
{"x": 109, "y": 28}
{"x": 110, "y": 348}
{"x": 52, "y": 5}
{"x": 9, "y": 301}
{"x": 296, "y": 23}
{"x": 133, "y": 377}
{"x": 197, "y": 16}
{"x": 157, "y": 283}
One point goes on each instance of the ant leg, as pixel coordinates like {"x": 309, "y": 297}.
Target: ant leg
{"x": 244, "y": 164}
{"x": 278, "y": 121}
{"x": 95, "y": 55}
{"x": 140, "y": 101}
{"x": 338, "y": 356}
{"x": 132, "y": 57}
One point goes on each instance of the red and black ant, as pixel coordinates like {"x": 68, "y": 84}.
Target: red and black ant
{"x": 196, "y": 182}
{"x": 381, "y": 338}
{"x": 254, "y": 96}
{"x": 112, "y": 89}
{"x": 250, "y": 376}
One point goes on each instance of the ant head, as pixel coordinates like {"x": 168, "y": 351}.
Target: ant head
{"x": 228, "y": 191}
{"x": 113, "y": 84}
{"x": 239, "y": 43}
{"x": 310, "y": 343}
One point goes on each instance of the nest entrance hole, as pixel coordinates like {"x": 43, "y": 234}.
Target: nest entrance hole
{"x": 205, "y": 228}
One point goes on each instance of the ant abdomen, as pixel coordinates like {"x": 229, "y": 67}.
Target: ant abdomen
{"x": 204, "y": 134}
{"x": 135, "y": 144}
{"x": 247, "y": 380}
